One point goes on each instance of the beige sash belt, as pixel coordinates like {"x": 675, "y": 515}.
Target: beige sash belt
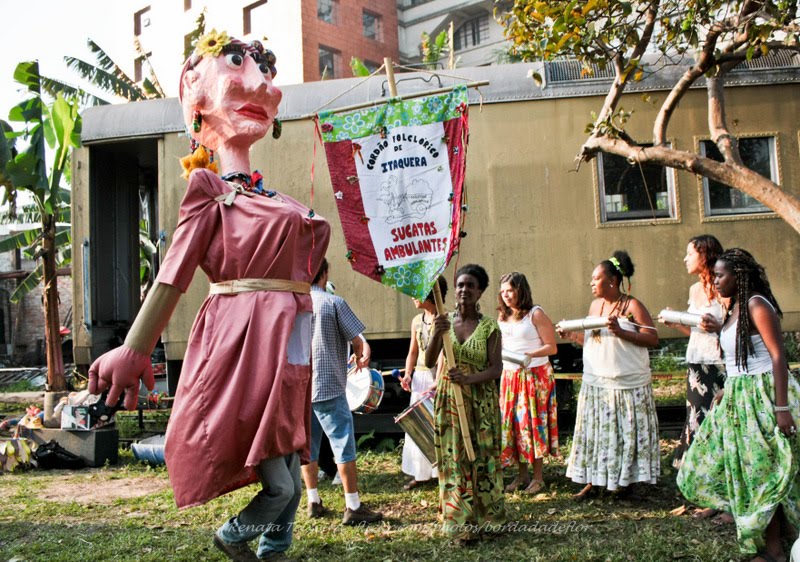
{"x": 250, "y": 285}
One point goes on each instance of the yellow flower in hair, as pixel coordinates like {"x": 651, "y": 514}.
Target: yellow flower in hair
{"x": 212, "y": 43}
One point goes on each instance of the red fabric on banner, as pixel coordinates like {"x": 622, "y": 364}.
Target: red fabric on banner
{"x": 351, "y": 208}
{"x": 455, "y": 131}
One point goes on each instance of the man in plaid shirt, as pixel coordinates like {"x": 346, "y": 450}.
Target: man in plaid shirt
{"x": 334, "y": 327}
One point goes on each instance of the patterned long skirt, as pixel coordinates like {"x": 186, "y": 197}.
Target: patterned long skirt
{"x": 528, "y": 410}
{"x": 616, "y": 437}
{"x": 470, "y": 493}
{"x": 703, "y": 381}
{"x": 740, "y": 462}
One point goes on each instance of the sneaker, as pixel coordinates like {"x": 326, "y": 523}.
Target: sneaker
{"x": 238, "y": 551}
{"x": 337, "y": 480}
{"x": 361, "y": 515}
{"x": 317, "y": 510}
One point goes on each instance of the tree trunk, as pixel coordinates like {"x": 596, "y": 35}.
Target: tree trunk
{"x": 55, "y": 361}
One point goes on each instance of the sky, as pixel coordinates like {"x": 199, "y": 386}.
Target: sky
{"x": 48, "y": 30}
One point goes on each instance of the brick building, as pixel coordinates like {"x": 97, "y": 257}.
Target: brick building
{"x": 337, "y": 30}
{"x": 22, "y": 323}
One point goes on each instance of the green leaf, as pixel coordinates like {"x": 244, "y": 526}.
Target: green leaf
{"x": 5, "y": 147}
{"x": 20, "y": 240}
{"x": 358, "y": 67}
{"x": 30, "y": 283}
{"x": 27, "y": 74}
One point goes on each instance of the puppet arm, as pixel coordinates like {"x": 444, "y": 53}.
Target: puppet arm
{"x": 122, "y": 368}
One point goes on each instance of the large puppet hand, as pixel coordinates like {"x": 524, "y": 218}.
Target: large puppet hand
{"x": 120, "y": 370}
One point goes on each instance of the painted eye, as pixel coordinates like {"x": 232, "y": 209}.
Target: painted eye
{"x": 264, "y": 68}
{"x": 234, "y": 60}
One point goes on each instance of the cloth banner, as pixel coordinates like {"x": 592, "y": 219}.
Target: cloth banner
{"x": 397, "y": 172}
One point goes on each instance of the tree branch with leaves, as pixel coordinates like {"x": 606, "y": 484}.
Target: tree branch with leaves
{"x": 719, "y": 35}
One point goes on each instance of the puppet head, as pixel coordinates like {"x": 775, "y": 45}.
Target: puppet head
{"x": 226, "y": 92}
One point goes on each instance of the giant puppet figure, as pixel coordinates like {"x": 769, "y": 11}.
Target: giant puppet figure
{"x": 246, "y": 372}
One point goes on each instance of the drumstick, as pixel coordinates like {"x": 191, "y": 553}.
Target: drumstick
{"x": 450, "y": 356}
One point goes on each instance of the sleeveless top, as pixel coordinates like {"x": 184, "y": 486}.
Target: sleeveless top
{"x": 473, "y": 356}
{"x": 613, "y": 362}
{"x": 522, "y": 336}
{"x": 758, "y": 363}
{"x": 422, "y": 335}
{"x": 703, "y": 346}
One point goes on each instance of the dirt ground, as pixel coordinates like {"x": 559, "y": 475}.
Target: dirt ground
{"x": 98, "y": 488}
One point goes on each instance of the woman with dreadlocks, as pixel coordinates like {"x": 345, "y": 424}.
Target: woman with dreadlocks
{"x": 746, "y": 455}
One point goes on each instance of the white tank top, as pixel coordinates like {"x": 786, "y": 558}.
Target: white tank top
{"x": 520, "y": 337}
{"x": 703, "y": 346}
{"x": 613, "y": 362}
{"x": 758, "y": 363}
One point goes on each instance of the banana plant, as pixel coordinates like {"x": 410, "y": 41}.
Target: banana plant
{"x": 24, "y": 168}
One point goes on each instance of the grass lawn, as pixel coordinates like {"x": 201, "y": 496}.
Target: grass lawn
{"x": 126, "y": 512}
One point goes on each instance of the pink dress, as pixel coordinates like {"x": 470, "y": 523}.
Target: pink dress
{"x": 245, "y": 387}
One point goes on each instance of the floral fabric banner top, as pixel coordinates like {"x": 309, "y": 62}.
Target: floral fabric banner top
{"x": 397, "y": 172}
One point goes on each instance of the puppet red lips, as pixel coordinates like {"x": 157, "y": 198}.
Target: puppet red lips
{"x": 253, "y": 112}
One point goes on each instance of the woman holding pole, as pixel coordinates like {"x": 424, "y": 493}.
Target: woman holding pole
{"x": 471, "y": 492}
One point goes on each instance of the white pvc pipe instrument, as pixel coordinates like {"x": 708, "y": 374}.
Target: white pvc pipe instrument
{"x": 518, "y": 358}
{"x": 582, "y": 324}
{"x": 678, "y": 317}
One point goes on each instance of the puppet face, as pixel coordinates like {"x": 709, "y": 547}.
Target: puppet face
{"x": 235, "y": 97}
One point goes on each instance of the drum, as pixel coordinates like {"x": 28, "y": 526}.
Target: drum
{"x": 417, "y": 422}
{"x": 364, "y": 390}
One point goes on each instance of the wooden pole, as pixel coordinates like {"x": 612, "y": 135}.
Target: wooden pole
{"x": 451, "y": 60}
{"x": 437, "y": 294}
{"x": 377, "y": 102}
{"x": 458, "y": 390}
{"x": 389, "y": 65}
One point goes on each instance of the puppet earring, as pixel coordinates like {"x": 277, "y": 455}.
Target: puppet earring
{"x": 197, "y": 120}
{"x": 277, "y": 129}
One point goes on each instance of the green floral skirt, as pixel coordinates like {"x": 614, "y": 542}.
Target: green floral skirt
{"x": 740, "y": 461}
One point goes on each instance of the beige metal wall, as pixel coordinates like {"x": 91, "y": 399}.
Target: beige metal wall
{"x": 529, "y": 210}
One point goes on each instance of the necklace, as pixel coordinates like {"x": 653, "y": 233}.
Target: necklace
{"x": 253, "y": 183}
{"x": 619, "y": 305}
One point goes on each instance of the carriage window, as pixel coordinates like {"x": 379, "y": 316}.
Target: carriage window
{"x": 758, "y": 154}
{"x": 633, "y": 191}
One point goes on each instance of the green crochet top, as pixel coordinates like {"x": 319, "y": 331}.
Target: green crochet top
{"x": 472, "y": 355}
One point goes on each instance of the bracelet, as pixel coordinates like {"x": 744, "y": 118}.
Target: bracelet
{"x": 781, "y": 408}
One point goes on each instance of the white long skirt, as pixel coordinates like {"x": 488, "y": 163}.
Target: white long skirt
{"x": 616, "y": 438}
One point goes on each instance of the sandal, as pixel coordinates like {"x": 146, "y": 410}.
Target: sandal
{"x": 534, "y": 487}
{"x": 516, "y": 484}
{"x": 411, "y": 484}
